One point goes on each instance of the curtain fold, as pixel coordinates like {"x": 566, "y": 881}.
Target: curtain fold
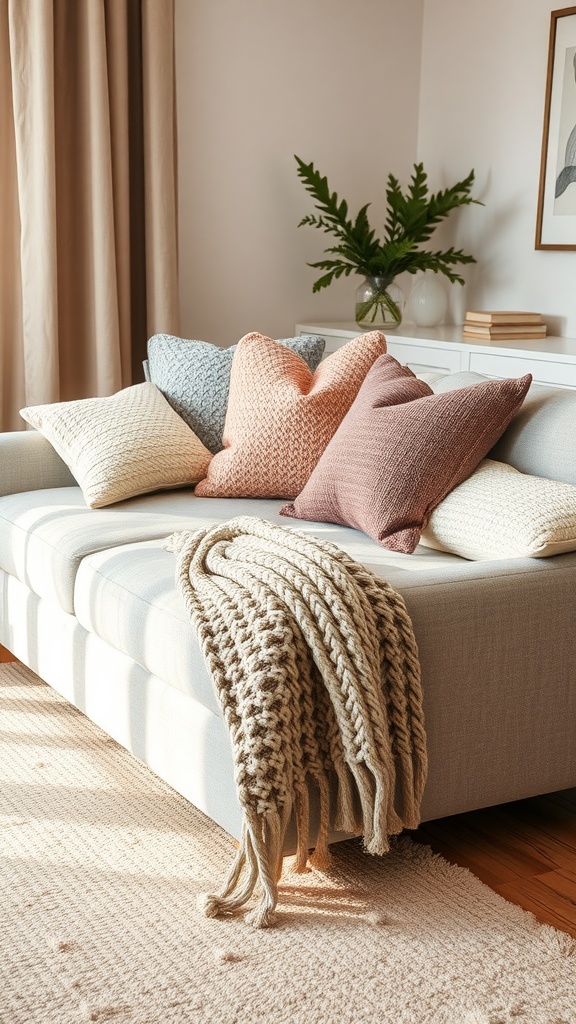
{"x": 160, "y": 163}
{"x": 88, "y": 196}
{"x": 11, "y": 352}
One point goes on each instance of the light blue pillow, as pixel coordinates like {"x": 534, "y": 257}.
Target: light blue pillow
{"x": 195, "y": 378}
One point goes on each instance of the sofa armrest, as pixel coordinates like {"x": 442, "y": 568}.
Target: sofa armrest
{"x": 28, "y": 462}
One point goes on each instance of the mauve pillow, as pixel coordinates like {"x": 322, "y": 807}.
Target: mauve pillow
{"x": 281, "y": 415}
{"x": 401, "y": 449}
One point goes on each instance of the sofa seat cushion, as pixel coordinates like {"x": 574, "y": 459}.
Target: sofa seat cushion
{"x": 127, "y": 595}
{"x": 45, "y": 534}
{"x": 475, "y": 622}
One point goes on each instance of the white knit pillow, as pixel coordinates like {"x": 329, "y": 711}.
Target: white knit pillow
{"x": 130, "y": 443}
{"x": 499, "y": 512}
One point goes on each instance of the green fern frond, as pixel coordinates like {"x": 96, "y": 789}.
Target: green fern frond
{"x": 411, "y": 219}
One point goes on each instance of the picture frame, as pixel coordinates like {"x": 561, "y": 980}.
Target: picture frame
{"x": 556, "y": 216}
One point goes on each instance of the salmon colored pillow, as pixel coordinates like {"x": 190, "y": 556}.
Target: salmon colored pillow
{"x": 281, "y": 415}
{"x": 401, "y": 449}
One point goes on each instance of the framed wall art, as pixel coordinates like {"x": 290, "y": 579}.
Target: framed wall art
{"x": 556, "y": 218}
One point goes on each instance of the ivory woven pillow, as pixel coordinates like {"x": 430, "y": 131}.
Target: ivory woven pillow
{"x": 499, "y": 512}
{"x": 195, "y": 378}
{"x": 401, "y": 449}
{"x": 281, "y": 415}
{"x": 130, "y": 443}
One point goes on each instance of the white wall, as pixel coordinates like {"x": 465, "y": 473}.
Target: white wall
{"x": 335, "y": 81}
{"x": 482, "y": 103}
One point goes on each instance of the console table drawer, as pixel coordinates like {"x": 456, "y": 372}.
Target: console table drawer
{"x": 444, "y": 349}
{"x": 544, "y": 371}
{"x": 420, "y": 358}
{"x": 425, "y": 360}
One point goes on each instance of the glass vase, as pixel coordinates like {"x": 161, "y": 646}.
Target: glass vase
{"x": 379, "y": 303}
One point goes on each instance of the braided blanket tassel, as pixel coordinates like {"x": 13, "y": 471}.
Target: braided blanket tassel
{"x": 316, "y": 668}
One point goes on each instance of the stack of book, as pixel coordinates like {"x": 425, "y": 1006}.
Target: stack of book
{"x": 501, "y": 325}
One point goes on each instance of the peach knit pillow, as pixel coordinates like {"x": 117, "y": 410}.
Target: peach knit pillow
{"x": 281, "y": 415}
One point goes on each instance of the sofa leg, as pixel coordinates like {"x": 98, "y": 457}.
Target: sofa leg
{"x": 6, "y": 655}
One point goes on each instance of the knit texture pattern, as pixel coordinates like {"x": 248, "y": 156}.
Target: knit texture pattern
{"x": 281, "y": 415}
{"x": 401, "y": 449}
{"x": 499, "y": 512}
{"x": 195, "y": 378}
{"x": 316, "y": 668}
{"x": 127, "y": 444}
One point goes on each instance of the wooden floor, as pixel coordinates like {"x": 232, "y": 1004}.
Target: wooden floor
{"x": 526, "y": 851}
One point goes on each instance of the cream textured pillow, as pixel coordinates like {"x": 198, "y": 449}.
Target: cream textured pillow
{"x": 499, "y": 512}
{"x": 130, "y": 443}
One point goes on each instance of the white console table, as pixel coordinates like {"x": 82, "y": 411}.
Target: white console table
{"x": 550, "y": 360}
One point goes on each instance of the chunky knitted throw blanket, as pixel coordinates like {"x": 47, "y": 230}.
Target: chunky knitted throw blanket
{"x": 316, "y": 668}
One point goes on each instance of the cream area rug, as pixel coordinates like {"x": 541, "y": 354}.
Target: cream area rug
{"x": 101, "y": 867}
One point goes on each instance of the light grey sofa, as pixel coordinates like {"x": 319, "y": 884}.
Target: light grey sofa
{"x": 88, "y": 601}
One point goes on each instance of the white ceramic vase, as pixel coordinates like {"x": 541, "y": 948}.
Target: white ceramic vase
{"x": 428, "y": 300}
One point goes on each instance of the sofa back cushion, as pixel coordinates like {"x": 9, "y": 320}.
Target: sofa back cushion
{"x": 281, "y": 415}
{"x": 541, "y": 438}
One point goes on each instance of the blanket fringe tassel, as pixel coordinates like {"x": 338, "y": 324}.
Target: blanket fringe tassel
{"x": 259, "y": 859}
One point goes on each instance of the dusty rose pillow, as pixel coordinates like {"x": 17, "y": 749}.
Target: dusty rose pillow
{"x": 401, "y": 449}
{"x": 281, "y": 415}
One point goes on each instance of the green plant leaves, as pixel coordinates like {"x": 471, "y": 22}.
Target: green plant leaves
{"x": 411, "y": 218}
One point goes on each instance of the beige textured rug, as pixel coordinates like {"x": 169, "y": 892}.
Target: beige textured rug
{"x": 101, "y": 864}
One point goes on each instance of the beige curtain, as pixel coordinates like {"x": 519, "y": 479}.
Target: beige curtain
{"x": 88, "y": 242}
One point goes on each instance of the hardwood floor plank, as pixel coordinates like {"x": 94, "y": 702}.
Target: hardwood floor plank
{"x": 458, "y": 852}
{"x": 504, "y": 860}
{"x": 544, "y": 897}
{"x": 525, "y": 851}
{"x": 553, "y": 850}
{"x": 563, "y": 882}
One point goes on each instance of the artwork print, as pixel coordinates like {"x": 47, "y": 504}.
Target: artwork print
{"x": 566, "y": 166}
{"x": 556, "y": 213}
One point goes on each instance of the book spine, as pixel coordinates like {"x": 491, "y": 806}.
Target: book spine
{"x": 491, "y": 319}
{"x": 533, "y": 324}
{"x": 503, "y": 336}
{"x": 485, "y": 332}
